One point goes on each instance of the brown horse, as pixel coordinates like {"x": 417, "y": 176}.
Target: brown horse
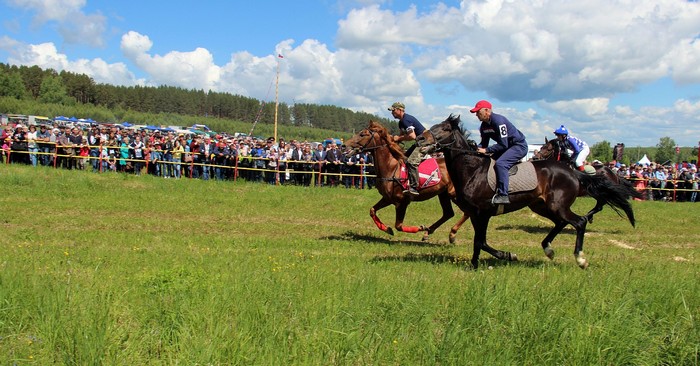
{"x": 388, "y": 157}
{"x": 555, "y": 190}
{"x": 552, "y": 150}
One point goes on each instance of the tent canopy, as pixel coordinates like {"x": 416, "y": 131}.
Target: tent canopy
{"x": 644, "y": 160}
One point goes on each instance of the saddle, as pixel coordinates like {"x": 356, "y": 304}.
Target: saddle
{"x": 522, "y": 177}
{"x": 428, "y": 172}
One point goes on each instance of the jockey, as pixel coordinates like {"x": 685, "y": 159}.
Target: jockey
{"x": 410, "y": 128}
{"x": 509, "y": 148}
{"x": 579, "y": 147}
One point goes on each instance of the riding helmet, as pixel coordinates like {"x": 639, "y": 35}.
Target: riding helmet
{"x": 561, "y": 131}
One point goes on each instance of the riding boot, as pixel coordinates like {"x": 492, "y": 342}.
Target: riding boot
{"x": 412, "y": 179}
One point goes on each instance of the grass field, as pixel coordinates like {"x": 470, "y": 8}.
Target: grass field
{"x": 124, "y": 270}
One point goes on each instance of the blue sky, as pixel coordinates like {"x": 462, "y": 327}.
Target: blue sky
{"x": 617, "y": 71}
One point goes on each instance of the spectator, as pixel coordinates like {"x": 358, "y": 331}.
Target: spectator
{"x": 19, "y": 146}
{"x": 137, "y": 152}
{"x": 177, "y": 152}
{"x": 32, "y": 145}
{"x": 319, "y": 158}
{"x": 42, "y": 138}
{"x": 207, "y": 153}
{"x": 696, "y": 179}
{"x": 295, "y": 162}
{"x": 333, "y": 163}
{"x": 75, "y": 139}
{"x": 6, "y": 147}
{"x": 124, "y": 147}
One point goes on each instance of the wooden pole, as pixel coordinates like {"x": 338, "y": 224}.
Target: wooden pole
{"x": 277, "y": 82}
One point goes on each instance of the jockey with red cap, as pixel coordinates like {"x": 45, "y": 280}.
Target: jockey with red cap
{"x": 509, "y": 148}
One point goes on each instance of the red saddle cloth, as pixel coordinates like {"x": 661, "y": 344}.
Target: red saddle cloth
{"x": 428, "y": 171}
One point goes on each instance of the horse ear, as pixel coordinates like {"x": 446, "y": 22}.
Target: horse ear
{"x": 545, "y": 140}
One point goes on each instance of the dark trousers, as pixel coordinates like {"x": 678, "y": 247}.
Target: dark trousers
{"x": 504, "y": 162}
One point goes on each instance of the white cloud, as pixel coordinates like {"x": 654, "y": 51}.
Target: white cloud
{"x": 192, "y": 70}
{"x": 74, "y": 25}
{"x": 46, "y": 56}
{"x": 580, "y": 108}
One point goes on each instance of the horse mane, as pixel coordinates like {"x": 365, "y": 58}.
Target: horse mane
{"x": 394, "y": 148}
{"x": 454, "y": 121}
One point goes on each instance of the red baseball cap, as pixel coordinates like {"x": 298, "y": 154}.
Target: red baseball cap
{"x": 480, "y": 104}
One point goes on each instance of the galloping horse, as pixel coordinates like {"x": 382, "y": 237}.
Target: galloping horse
{"x": 551, "y": 150}
{"x": 388, "y": 155}
{"x": 555, "y": 190}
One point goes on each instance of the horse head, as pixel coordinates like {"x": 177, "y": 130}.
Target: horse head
{"x": 372, "y": 137}
{"x": 446, "y": 134}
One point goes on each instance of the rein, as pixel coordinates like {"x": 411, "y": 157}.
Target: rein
{"x": 448, "y": 146}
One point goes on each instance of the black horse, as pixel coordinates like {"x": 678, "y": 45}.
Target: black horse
{"x": 552, "y": 150}
{"x": 555, "y": 191}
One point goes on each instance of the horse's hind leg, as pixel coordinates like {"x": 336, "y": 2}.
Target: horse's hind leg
{"x": 578, "y": 250}
{"x": 598, "y": 207}
{"x": 373, "y": 214}
{"x": 455, "y": 228}
{"x": 542, "y": 210}
{"x": 400, "y": 215}
{"x": 447, "y": 213}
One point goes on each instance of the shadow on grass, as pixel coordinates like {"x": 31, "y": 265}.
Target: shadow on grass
{"x": 532, "y": 229}
{"x": 386, "y": 239}
{"x": 459, "y": 260}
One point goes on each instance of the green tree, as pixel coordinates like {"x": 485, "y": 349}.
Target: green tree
{"x": 52, "y": 90}
{"x": 665, "y": 150}
{"x": 11, "y": 85}
{"x": 601, "y": 151}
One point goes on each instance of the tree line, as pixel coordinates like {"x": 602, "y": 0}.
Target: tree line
{"x": 70, "y": 89}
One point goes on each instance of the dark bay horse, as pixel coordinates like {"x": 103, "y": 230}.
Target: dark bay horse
{"x": 552, "y": 150}
{"x": 556, "y": 190}
{"x": 376, "y": 140}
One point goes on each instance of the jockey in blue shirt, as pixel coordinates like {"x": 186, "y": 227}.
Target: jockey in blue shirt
{"x": 509, "y": 149}
{"x": 579, "y": 147}
{"x": 410, "y": 128}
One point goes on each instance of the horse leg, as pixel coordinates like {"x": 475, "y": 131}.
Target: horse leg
{"x": 400, "y": 215}
{"x": 542, "y": 210}
{"x": 598, "y": 207}
{"x": 447, "y": 213}
{"x": 373, "y": 214}
{"x": 455, "y": 228}
{"x": 480, "y": 225}
{"x": 499, "y": 254}
{"x": 580, "y": 226}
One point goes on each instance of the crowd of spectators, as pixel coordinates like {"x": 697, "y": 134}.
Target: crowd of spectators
{"x": 676, "y": 182}
{"x": 103, "y": 148}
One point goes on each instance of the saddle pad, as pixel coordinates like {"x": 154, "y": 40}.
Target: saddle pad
{"x": 428, "y": 171}
{"x": 524, "y": 178}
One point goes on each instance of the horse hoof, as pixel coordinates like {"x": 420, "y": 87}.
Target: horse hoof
{"x": 425, "y": 237}
{"x": 549, "y": 252}
{"x": 513, "y": 257}
{"x": 590, "y": 219}
{"x": 453, "y": 238}
{"x": 390, "y": 231}
{"x": 582, "y": 262}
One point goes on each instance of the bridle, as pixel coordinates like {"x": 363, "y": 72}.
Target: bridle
{"x": 437, "y": 146}
{"x": 364, "y": 147}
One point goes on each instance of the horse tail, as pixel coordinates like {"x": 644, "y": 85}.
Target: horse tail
{"x": 617, "y": 196}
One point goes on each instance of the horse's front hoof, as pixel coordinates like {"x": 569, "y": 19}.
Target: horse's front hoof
{"x": 426, "y": 236}
{"x": 390, "y": 231}
{"x": 475, "y": 264}
{"x": 590, "y": 219}
{"x": 582, "y": 262}
{"x": 512, "y": 257}
{"x": 549, "y": 252}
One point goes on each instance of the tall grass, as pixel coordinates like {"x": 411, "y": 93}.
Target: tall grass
{"x": 116, "y": 269}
